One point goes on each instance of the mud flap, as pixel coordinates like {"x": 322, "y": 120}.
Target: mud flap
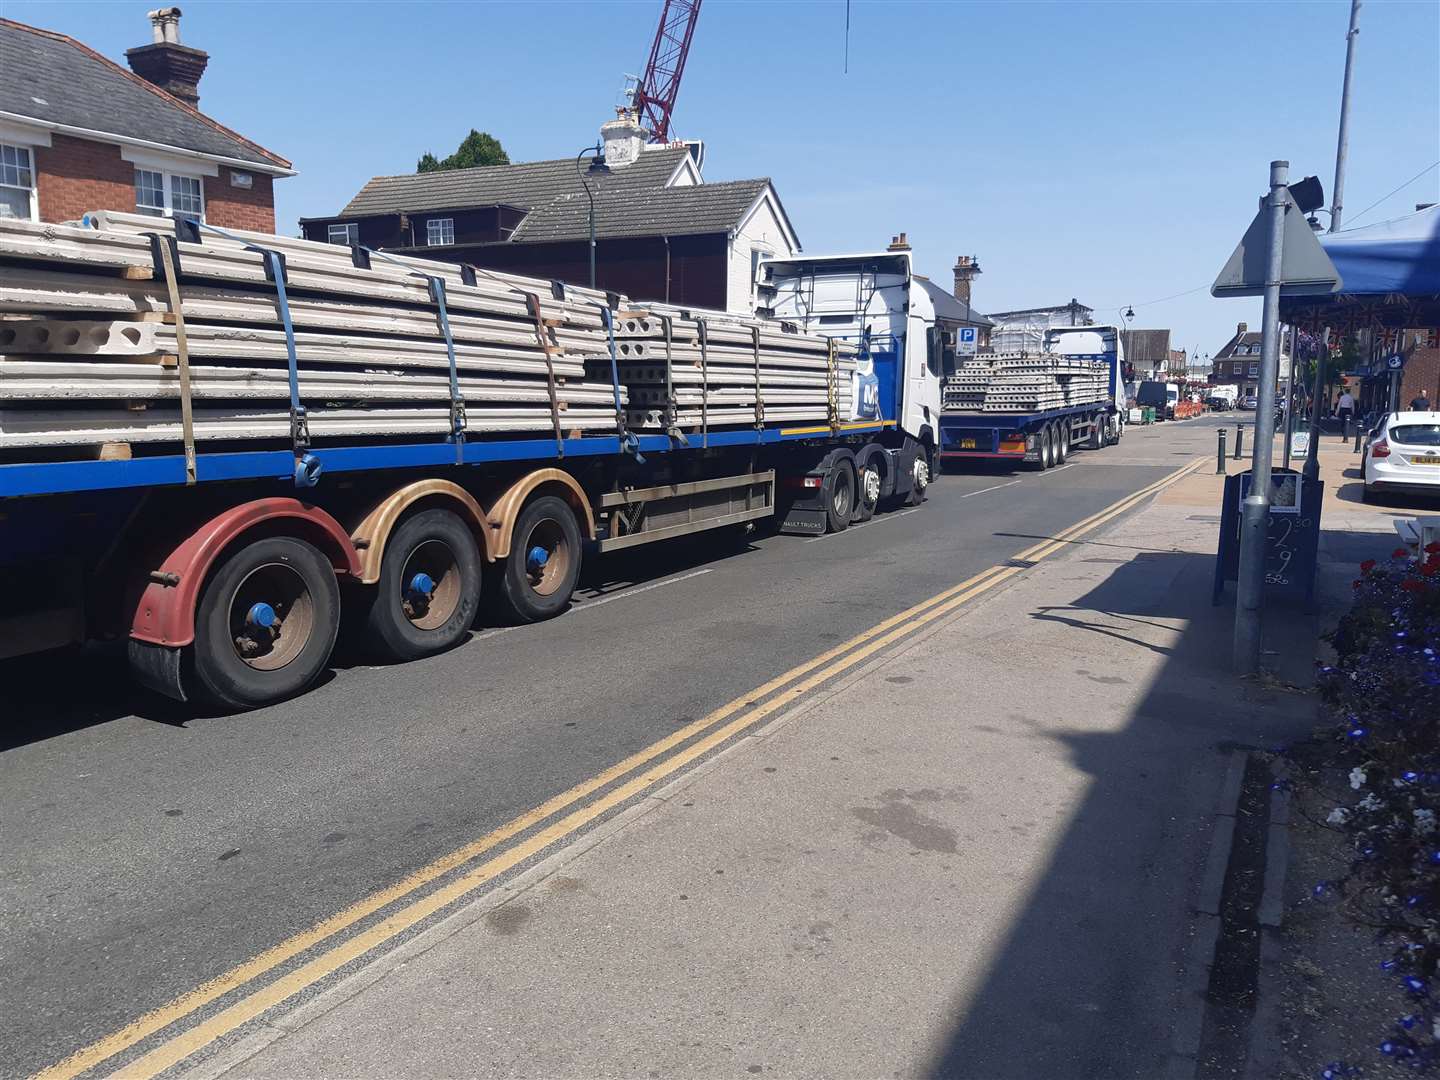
{"x": 158, "y": 668}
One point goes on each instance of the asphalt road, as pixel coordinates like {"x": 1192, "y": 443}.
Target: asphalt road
{"x": 144, "y": 850}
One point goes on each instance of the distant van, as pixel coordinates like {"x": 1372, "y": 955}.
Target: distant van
{"x": 1160, "y": 396}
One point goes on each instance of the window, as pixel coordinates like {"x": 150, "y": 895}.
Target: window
{"x": 1254, "y": 369}
{"x": 169, "y": 193}
{"x": 345, "y": 234}
{"x": 1416, "y": 434}
{"x": 756, "y": 254}
{"x": 185, "y": 197}
{"x": 17, "y": 182}
{"x": 440, "y": 231}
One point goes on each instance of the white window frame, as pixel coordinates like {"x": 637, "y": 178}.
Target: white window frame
{"x": 440, "y": 226}
{"x": 167, "y": 190}
{"x": 33, "y": 189}
{"x": 349, "y": 232}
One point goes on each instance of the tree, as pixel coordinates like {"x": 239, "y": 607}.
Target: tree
{"x": 478, "y": 148}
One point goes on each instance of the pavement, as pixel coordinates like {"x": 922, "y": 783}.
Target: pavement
{"x": 969, "y": 838}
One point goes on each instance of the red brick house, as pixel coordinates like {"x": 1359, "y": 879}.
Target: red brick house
{"x": 79, "y": 132}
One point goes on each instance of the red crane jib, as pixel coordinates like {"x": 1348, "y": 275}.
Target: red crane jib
{"x": 655, "y": 96}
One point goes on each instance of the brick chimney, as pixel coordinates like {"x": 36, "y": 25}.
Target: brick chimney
{"x": 165, "y": 62}
{"x": 899, "y": 243}
{"x": 1240, "y": 328}
{"x": 967, "y": 267}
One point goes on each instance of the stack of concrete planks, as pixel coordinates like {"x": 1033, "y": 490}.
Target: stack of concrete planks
{"x": 1015, "y": 382}
{"x": 91, "y": 354}
{"x": 688, "y": 368}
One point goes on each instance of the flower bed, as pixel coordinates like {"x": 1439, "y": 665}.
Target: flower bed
{"x": 1384, "y": 689}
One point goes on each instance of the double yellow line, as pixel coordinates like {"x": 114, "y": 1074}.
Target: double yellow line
{"x": 708, "y": 733}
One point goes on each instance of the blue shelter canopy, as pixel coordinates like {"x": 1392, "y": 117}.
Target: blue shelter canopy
{"x": 1389, "y": 273}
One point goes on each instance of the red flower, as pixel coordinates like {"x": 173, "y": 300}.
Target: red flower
{"x": 1356, "y": 583}
{"x": 1430, "y": 568}
{"x": 1367, "y": 566}
{"x": 1410, "y": 584}
{"x": 1400, "y": 553}
{"x": 1433, "y": 548}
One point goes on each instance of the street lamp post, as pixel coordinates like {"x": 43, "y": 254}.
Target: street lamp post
{"x": 596, "y": 168}
{"x": 1337, "y": 199}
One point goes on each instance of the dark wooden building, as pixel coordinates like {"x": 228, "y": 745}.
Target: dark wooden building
{"x": 662, "y": 233}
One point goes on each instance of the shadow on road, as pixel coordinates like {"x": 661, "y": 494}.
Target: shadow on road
{"x": 65, "y": 690}
{"x": 1084, "y": 985}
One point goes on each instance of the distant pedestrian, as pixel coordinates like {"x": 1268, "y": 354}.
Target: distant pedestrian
{"x": 1420, "y": 403}
{"x": 1345, "y": 409}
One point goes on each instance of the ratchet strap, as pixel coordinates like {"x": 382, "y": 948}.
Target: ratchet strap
{"x": 164, "y": 247}
{"x": 532, "y": 302}
{"x": 629, "y": 444}
{"x": 703, "y": 332}
{"x": 457, "y": 400}
{"x": 667, "y": 417}
{"x": 759, "y": 393}
{"x": 832, "y": 388}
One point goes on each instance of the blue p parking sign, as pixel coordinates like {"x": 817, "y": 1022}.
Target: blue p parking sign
{"x": 965, "y": 341}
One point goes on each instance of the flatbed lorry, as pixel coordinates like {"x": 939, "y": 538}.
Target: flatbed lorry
{"x": 1043, "y": 438}
{"x": 226, "y": 569}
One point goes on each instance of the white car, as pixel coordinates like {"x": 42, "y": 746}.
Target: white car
{"x": 1404, "y": 454}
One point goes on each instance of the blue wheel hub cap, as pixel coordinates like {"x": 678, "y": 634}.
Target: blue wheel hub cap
{"x": 261, "y": 616}
{"x": 421, "y": 584}
{"x": 537, "y": 557}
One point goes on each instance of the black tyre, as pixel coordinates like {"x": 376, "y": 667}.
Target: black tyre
{"x": 1062, "y": 443}
{"x": 839, "y": 495}
{"x": 1098, "y": 434}
{"x": 1047, "y": 447}
{"x": 265, "y": 623}
{"x": 920, "y": 475}
{"x": 867, "y": 490}
{"x": 429, "y": 587}
{"x": 536, "y": 579}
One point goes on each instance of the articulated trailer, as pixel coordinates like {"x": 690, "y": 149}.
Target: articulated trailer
{"x": 1042, "y": 438}
{"x": 226, "y": 567}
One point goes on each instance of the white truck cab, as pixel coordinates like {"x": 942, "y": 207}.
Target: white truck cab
{"x": 871, "y": 299}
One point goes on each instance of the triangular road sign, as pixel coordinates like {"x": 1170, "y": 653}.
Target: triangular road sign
{"x": 1305, "y": 268}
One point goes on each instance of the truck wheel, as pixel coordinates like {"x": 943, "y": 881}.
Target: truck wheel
{"x": 839, "y": 496}
{"x": 867, "y": 491}
{"x": 1099, "y": 429}
{"x": 428, "y": 590}
{"x": 1062, "y": 443}
{"x": 265, "y": 623}
{"x": 538, "y": 576}
{"x": 1047, "y": 447}
{"x": 919, "y": 477}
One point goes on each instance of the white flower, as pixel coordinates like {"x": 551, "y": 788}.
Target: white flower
{"x": 1357, "y": 778}
{"x": 1435, "y": 1028}
{"x": 1370, "y": 802}
{"x": 1424, "y": 822}
{"x": 1338, "y": 816}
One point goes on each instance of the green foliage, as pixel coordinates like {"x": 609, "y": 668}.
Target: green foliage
{"x": 477, "y": 148}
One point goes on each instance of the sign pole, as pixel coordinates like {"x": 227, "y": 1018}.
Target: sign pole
{"x": 1255, "y": 511}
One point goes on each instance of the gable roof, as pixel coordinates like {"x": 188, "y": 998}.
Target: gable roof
{"x": 60, "y": 83}
{"x": 526, "y": 186}
{"x": 629, "y": 211}
{"x": 1250, "y": 337}
{"x": 949, "y": 307}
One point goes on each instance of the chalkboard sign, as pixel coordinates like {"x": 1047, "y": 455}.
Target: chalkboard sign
{"x": 1292, "y": 537}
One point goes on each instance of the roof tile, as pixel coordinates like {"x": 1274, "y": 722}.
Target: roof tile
{"x": 52, "y": 77}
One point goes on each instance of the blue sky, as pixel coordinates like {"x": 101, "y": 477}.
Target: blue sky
{"x": 1112, "y": 152}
